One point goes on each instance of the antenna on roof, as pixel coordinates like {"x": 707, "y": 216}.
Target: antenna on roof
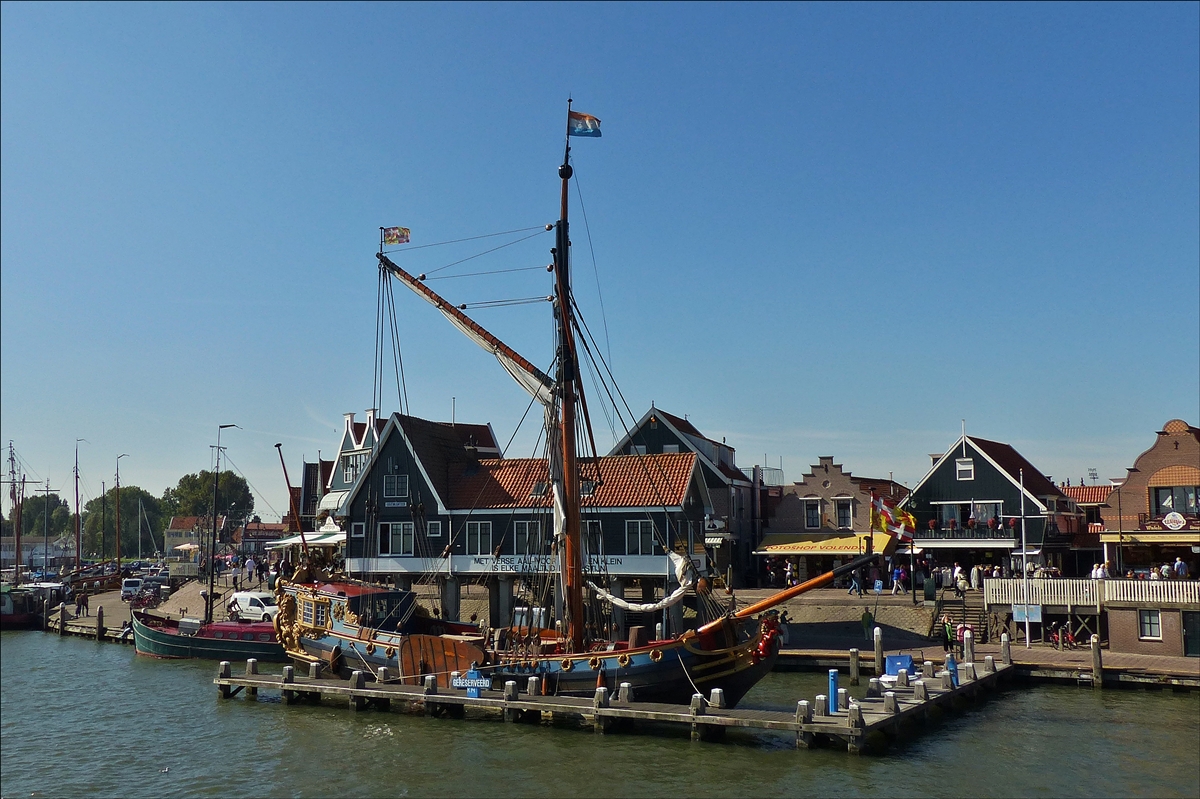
{"x": 1092, "y": 475}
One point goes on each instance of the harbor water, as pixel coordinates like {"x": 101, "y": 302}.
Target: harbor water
{"x": 80, "y": 718}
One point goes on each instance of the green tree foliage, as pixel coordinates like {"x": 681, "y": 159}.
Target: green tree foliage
{"x": 148, "y": 525}
{"x": 193, "y": 496}
{"x": 33, "y": 516}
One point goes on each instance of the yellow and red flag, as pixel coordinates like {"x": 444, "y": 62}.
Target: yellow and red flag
{"x": 889, "y": 519}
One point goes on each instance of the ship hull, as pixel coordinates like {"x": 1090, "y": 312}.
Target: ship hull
{"x": 153, "y": 638}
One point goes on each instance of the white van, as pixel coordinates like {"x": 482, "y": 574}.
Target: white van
{"x": 254, "y": 605}
{"x": 130, "y": 587}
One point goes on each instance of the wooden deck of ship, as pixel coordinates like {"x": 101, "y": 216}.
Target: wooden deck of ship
{"x": 865, "y": 725}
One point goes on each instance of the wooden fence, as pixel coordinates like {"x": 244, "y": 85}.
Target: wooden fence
{"x": 1096, "y": 593}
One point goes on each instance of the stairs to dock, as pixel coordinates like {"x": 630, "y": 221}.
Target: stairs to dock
{"x": 967, "y": 610}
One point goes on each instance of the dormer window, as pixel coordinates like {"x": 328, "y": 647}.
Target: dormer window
{"x": 964, "y": 468}
{"x": 587, "y": 487}
{"x": 539, "y": 489}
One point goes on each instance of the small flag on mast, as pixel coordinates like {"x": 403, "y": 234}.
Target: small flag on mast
{"x": 395, "y": 235}
{"x": 582, "y": 124}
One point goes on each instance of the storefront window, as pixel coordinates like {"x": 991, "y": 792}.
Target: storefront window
{"x": 1179, "y": 499}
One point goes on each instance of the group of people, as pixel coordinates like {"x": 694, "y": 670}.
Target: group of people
{"x": 81, "y": 604}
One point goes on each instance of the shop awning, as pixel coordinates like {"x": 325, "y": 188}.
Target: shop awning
{"x": 1030, "y": 552}
{"x": 798, "y": 544}
{"x": 715, "y": 540}
{"x": 1183, "y": 538}
{"x": 331, "y": 501}
{"x": 903, "y": 549}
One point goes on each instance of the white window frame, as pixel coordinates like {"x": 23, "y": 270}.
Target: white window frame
{"x": 592, "y": 530}
{"x": 522, "y": 530}
{"x": 638, "y": 531}
{"x": 671, "y": 448}
{"x": 395, "y": 486}
{"x": 848, "y": 504}
{"x": 403, "y": 536}
{"x": 358, "y": 529}
{"x": 1149, "y": 618}
{"x": 807, "y": 503}
{"x": 433, "y": 529}
{"x": 475, "y": 533}
{"x": 964, "y": 469}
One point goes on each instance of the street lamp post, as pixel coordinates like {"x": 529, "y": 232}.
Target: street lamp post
{"x": 212, "y": 549}
{"x": 122, "y": 455}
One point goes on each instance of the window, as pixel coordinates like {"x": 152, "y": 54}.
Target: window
{"x": 352, "y": 465}
{"x": 433, "y": 529}
{"x": 639, "y": 537}
{"x": 539, "y": 489}
{"x": 395, "y": 485}
{"x": 964, "y": 468}
{"x": 587, "y": 487}
{"x": 812, "y": 514}
{"x": 670, "y": 448}
{"x": 358, "y": 529}
{"x": 843, "y": 513}
{"x": 385, "y": 538}
{"x": 1177, "y": 499}
{"x": 479, "y": 538}
{"x": 1149, "y": 625}
{"x": 402, "y": 538}
{"x": 637, "y": 449}
{"x": 593, "y": 539}
{"x": 526, "y": 537}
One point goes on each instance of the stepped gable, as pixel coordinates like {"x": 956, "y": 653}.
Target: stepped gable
{"x": 625, "y": 481}
{"x": 1088, "y": 495}
{"x": 1013, "y": 462}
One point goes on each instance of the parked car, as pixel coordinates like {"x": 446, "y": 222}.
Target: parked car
{"x": 130, "y": 587}
{"x": 253, "y": 605}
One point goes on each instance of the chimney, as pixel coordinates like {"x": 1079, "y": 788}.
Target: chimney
{"x": 349, "y": 424}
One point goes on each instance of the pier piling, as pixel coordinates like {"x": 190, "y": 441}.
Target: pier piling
{"x": 880, "y": 663}
{"x": 1097, "y": 663}
{"x": 854, "y": 667}
{"x": 1005, "y": 650}
{"x": 804, "y": 715}
{"x": 358, "y": 681}
{"x": 100, "y": 623}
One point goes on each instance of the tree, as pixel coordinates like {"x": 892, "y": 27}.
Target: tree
{"x": 193, "y": 496}
{"x": 148, "y": 526}
{"x": 33, "y": 516}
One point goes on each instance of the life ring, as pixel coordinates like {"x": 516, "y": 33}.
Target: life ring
{"x": 623, "y": 660}
{"x": 390, "y": 652}
{"x": 594, "y": 664}
{"x": 567, "y": 664}
{"x": 370, "y": 648}
{"x": 656, "y": 655}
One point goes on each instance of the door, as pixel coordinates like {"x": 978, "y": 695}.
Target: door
{"x": 1191, "y": 633}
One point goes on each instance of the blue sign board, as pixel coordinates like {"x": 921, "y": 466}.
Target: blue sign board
{"x": 1034, "y": 613}
{"x": 879, "y": 586}
{"x": 474, "y": 681}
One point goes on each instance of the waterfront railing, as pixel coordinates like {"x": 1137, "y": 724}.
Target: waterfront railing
{"x": 1078, "y": 593}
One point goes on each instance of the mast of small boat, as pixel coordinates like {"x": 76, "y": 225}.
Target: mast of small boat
{"x": 566, "y": 382}
{"x": 292, "y": 502}
{"x": 78, "y": 523}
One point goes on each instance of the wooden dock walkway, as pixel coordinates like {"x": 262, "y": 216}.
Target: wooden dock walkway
{"x": 863, "y": 725}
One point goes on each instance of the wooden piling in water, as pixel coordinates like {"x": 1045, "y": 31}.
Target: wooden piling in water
{"x": 854, "y": 667}
{"x": 880, "y": 663}
{"x": 99, "y": 622}
{"x": 1097, "y": 663}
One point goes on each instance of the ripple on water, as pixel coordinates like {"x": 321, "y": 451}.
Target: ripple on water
{"x": 115, "y": 724}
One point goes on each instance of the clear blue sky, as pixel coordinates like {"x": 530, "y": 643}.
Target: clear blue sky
{"x": 817, "y": 229}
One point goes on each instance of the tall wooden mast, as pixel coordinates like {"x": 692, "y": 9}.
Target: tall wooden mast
{"x": 567, "y": 378}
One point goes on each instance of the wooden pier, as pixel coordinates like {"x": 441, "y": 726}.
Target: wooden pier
{"x": 862, "y": 725}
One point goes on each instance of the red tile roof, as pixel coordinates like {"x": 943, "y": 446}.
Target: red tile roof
{"x": 190, "y": 523}
{"x": 1088, "y": 495}
{"x": 624, "y": 481}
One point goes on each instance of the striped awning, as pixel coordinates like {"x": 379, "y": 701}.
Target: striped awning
{"x": 846, "y": 544}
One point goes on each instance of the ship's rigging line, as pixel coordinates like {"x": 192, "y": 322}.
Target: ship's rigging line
{"x": 486, "y": 252}
{"x": 411, "y": 247}
{"x": 592, "y": 250}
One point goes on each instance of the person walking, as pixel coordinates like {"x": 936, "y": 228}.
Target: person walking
{"x": 1181, "y": 569}
{"x": 250, "y": 569}
{"x": 898, "y": 580}
{"x": 855, "y": 582}
{"x": 975, "y": 577}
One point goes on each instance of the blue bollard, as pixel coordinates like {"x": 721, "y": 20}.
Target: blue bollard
{"x": 952, "y": 667}
{"x": 833, "y": 691}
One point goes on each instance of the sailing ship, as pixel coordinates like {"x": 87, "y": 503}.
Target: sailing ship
{"x": 164, "y": 637}
{"x": 354, "y": 625}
